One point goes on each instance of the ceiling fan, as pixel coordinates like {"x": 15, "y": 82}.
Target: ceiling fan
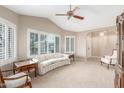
{"x": 70, "y": 13}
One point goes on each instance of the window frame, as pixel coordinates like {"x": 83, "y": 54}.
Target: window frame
{"x": 39, "y": 33}
{"x": 69, "y": 44}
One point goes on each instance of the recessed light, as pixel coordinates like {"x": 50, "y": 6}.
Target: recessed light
{"x": 101, "y": 34}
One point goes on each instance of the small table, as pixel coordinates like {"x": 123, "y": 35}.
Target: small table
{"x": 25, "y": 66}
{"x": 71, "y": 56}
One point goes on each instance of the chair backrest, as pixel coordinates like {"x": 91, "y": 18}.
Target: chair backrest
{"x": 114, "y": 53}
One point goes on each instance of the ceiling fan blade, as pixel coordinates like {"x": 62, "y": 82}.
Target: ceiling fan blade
{"x": 75, "y": 9}
{"x": 78, "y": 17}
{"x": 61, "y": 14}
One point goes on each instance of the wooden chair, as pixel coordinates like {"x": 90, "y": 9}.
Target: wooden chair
{"x": 18, "y": 80}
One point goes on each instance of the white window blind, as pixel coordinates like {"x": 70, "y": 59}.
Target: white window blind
{"x": 72, "y": 45}
{"x": 10, "y": 42}
{"x": 69, "y": 44}
{"x": 2, "y": 41}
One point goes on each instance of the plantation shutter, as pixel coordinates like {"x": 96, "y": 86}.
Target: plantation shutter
{"x": 10, "y": 42}
{"x": 69, "y": 44}
{"x": 2, "y": 41}
{"x": 72, "y": 44}
{"x": 7, "y": 41}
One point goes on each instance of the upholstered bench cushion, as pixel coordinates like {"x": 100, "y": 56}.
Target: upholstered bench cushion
{"x": 17, "y": 82}
{"x": 52, "y": 61}
{"x": 45, "y": 57}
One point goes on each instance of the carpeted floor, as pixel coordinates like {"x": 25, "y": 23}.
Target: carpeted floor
{"x": 77, "y": 75}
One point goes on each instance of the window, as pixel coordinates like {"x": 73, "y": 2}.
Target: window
{"x": 51, "y": 44}
{"x": 7, "y": 40}
{"x": 33, "y": 43}
{"x": 42, "y": 43}
{"x": 69, "y": 44}
{"x": 57, "y": 43}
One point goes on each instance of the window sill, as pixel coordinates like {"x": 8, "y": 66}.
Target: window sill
{"x": 8, "y": 61}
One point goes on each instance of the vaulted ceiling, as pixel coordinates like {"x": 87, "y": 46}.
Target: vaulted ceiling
{"x": 96, "y": 16}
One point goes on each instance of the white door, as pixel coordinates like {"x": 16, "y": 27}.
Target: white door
{"x": 88, "y": 42}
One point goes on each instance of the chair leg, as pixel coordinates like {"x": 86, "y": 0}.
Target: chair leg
{"x": 29, "y": 84}
{"x": 108, "y": 66}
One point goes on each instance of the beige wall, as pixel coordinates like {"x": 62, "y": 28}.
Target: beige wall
{"x": 9, "y": 15}
{"x": 103, "y": 45}
{"x": 99, "y": 45}
{"x": 37, "y": 23}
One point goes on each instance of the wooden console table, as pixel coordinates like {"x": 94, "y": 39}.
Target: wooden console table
{"x": 26, "y": 65}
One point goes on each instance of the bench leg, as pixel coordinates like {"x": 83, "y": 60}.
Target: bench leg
{"x": 108, "y": 66}
{"x": 101, "y": 62}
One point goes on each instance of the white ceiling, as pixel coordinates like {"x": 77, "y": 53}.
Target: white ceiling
{"x": 96, "y": 16}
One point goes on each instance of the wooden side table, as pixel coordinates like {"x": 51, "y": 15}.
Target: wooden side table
{"x": 27, "y": 65}
{"x": 71, "y": 56}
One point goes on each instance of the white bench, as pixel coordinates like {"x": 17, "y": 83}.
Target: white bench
{"x": 47, "y": 62}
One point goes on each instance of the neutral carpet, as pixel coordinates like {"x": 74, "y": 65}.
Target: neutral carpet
{"x": 77, "y": 75}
